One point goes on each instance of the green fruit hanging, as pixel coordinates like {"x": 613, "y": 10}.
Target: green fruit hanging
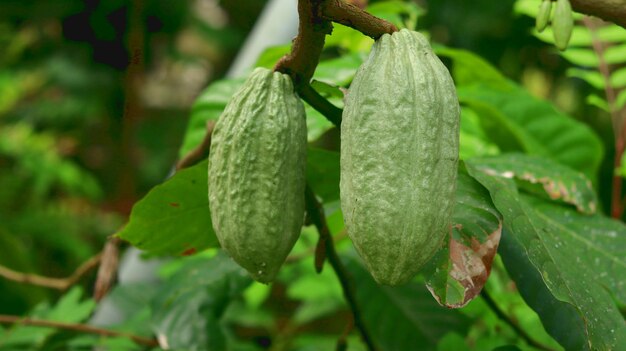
{"x": 399, "y": 156}
{"x": 257, "y": 173}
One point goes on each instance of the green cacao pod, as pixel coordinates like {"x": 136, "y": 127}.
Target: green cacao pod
{"x": 399, "y": 156}
{"x": 562, "y": 23}
{"x": 257, "y": 173}
{"x": 543, "y": 16}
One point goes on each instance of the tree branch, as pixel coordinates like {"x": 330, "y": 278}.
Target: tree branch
{"x": 354, "y": 17}
{"x": 52, "y": 283}
{"x": 505, "y": 318}
{"x": 316, "y": 212}
{"x": 618, "y": 131}
{"x": 610, "y": 10}
{"x": 82, "y": 328}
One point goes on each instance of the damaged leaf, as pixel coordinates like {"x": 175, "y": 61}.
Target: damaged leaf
{"x": 575, "y": 263}
{"x": 458, "y": 272}
{"x": 542, "y": 176}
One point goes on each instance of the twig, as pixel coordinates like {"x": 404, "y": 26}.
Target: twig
{"x": 504, "y": 317}
{"x": 201, "y": 151}
{"x": 319, "y": 103}
{"x": 307, "y": 47}
{"x": 316, "y": 211}
{"x": 108, "y": 268}
{"x": 617, "y": 205}
{"x": 52, "y": 283}
{"x": 354, "y": 17}
{"x": 82, "y": 328}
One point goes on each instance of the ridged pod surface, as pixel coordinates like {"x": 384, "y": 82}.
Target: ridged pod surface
{"x": 399, "y": 156}
{"x": 257, "y": 173}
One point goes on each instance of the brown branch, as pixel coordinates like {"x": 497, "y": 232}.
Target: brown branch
{"x": 617, "y": 206}
{"x": 316, "y": 212}
{"x": 354, "y": 17}
{"x": 52, "y": 283}
{"x": 508, "y": 320}
{"x": 108, "y": 268}
{"x": 82, "y": 328}
{"x": 201, "y": 151}
{"x": 307, "y": 47}
{"x": 610, "y": 10}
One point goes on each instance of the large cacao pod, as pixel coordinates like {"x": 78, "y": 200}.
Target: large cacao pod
{"x": 399, "y": 156}
{"x": 257, "y": 173}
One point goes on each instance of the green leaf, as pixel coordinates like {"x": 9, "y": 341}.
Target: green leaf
{"x": 458, "y": 271}
{"x": 517, "y": 121}
{"x": 188, "y": 311}
{"x": 208, "y": 106}
{"x": 615, "y": 55}
{"x": 577, "y": 257}
{"x": 612, "y": 33}
{"x": 71, "y": 308}
{"x": 399, "y": 318}
{"x": 271, "y": 55}
{"x": 470, "y": 68}
{"x": 598, "y": 101}
{"x": 316, "y": 123}
{"x": 338, "y": 71}
{"x": 556, "y": 181}
{"x": 582, "y": 57}
{"x": 397, "y": 11}
{"x": 173, "y": 218}
{"x": 322, "y": 173}
{"x": 620, "y": 102}
{"x": 593, "y": 77}
{"x": 580, "y": 37}
{"x": 618, "y": 78}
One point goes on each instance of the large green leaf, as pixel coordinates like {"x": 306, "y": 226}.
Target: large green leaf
{"x": 188, "y": 311}
{"x": 580, "y": 259}
{"x": 173, "y": 218}
{"x": 459, "y": 270}
{"x": 400, "y": 318}
{"x": 515, "y": 120}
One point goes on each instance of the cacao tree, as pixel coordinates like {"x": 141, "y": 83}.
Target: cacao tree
{"x": 369, "y": 188}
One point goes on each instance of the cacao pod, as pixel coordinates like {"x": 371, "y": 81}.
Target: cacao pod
{"x": 257, "y": 173}
{"x": 562, "y": 24}
{"x": 399, "y": 156}
{"x": 543, "y": 16}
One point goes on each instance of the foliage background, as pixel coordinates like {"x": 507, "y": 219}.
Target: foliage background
{"x": 74, "y": 160}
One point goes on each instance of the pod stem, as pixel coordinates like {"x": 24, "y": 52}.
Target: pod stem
{"x": 316, "y": 17}
{"x": 316, "y": 213}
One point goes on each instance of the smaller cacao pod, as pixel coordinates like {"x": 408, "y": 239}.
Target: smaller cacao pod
{"x": 399, "y": 156}
{"x": 543, "y": 17}
{"x": 562, "y": 23}
{"x": 257, "y": 173}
